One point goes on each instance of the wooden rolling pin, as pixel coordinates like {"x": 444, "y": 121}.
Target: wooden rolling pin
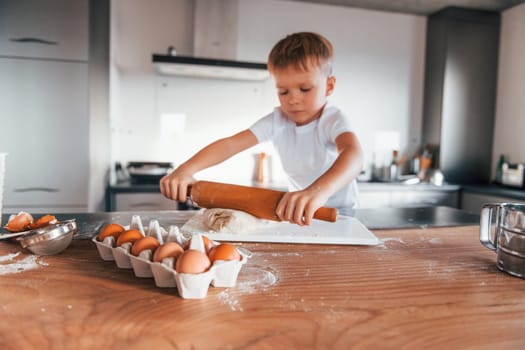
{"x": 259, "y": 202}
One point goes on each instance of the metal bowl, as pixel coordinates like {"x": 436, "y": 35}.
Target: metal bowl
{"x": 51, "y": 239}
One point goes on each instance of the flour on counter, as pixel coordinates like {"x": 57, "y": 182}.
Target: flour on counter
{"x": 250, "y": 280}
{"x": 9, "y": 257}
{"x": 228, "y": 299}
{"x": 253, "y": 279}
{"x": 9, "y": 264}
{"x": 435, "y": 241}
{"x": 384, "y": 240}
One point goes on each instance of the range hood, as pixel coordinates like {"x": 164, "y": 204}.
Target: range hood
{"x": 215, "y": 34}
{"x": 201, "y": 67}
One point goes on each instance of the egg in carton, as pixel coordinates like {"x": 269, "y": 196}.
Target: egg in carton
{"x": 193, "y": 271}
{"x": 159, "y": 241}
{"x": 197, "y": 267}
{"x": 114, "y": 242}
{"x": 141, "y": 252}
{"x": 131, "y": 247}
{"x": 105, "y": 241}
{"x": 164, "y": 258}
{"x": 206, "y": 263}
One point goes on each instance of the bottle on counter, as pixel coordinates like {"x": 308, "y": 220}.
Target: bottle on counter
{"x": 394, "y": 169}
{"x": 262, "y": 171}
{"x": 499, "y": 169}
{"x": 414, "y": 165}
{"x": 374, "y": 176}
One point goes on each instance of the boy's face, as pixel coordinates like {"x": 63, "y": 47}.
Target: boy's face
{"x": 302, "y": 94}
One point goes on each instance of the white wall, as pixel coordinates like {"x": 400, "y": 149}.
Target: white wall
{"x": 510, "y": 102}
{"x": 379, "y": 61}
{"x": 379, "y": 68}
{"x": 139, "y": 29}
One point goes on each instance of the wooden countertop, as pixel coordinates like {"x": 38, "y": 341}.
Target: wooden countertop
{"x": 433, "y": 288}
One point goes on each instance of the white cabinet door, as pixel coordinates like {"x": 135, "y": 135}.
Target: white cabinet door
{"x": 44, "y": 128}
{"x": 407, "y": 198}
{"x": 55, "y": 29}
{"x": 413, "y": 199}
{"x": 143, "y": 201}
{"x": 374, "y": 199}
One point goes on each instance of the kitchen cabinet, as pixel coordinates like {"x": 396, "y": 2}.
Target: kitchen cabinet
{"x": 472, "y": 202}
{"x": 128, "y": 196}
{"x": 143, "y": 201}
{"x": 54, "y": 81}
{"x": 44, "y": 92}
{"x": 408, "y": 199}
{"x": 45, "y": 132}
{"x": 377, "y": 195}
{"x": 51, "y": 29}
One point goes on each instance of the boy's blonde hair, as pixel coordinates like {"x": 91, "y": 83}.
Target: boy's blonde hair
{"x": 302, "y": 51}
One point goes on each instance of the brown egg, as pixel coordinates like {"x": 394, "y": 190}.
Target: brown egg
{"x": 19, "y": 222}
{"x": 192, "y": 261}
{"x": 168, "y": 250}
{"x": 110, "y": 230}
{"x": 224, "y": 251}
{"x": 128, "y": 236}
{"x": 43, "y": 221}
{"x": 144, "y": 243}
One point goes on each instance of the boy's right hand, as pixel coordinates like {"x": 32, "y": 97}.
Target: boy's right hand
{"x": 298, "y": 207}
{"x": 175, "y": 185}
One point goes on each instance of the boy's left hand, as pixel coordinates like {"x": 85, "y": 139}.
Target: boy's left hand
{"x": 299, "y": 207}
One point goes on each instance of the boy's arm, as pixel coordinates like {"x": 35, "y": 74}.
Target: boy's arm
{"x": 299, "y": 207}
{"x": 174, "y": 185}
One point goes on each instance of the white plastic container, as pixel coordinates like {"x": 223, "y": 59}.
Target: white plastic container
{"x": 189, "y": 286}
{"x": 105, "y": 248}
{"x": 163, "y": 274}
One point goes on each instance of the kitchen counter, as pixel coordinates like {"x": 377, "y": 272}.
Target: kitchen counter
{"x": 399, "y": 186}
{"x": 426, "y": 287}
{"x": 129, "y": 187}
{"x": 496, "y": 190}
{"x": 372, "y": 194}
{"x": 490, "y": 189}
{"x": 400, "y": 218}
{"x": 373, "y": 219}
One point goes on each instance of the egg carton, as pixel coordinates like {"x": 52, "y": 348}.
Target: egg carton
{"x": 189, "y": 286}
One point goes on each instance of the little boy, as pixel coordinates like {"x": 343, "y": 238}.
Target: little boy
{"x": 319, "y": 152}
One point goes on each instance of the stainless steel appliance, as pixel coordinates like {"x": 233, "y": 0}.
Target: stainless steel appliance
{"x": 148, "y": 172}
{"x": 460, "y": 91}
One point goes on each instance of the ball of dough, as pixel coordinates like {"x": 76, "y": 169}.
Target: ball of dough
{"x": 230, "y": 221}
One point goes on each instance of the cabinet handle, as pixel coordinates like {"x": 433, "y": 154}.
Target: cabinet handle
{"x": 34, "y": 41}
{"x": 143, "y": 204}
{"x": 36, "y": 189}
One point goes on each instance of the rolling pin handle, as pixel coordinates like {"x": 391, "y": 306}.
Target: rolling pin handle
{"x": 326, "y": 214}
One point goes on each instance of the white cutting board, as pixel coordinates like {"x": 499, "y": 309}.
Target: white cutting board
{"x": 346, "y": 230}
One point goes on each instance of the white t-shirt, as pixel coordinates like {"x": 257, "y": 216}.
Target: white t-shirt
{"x": 308, "y": 151}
